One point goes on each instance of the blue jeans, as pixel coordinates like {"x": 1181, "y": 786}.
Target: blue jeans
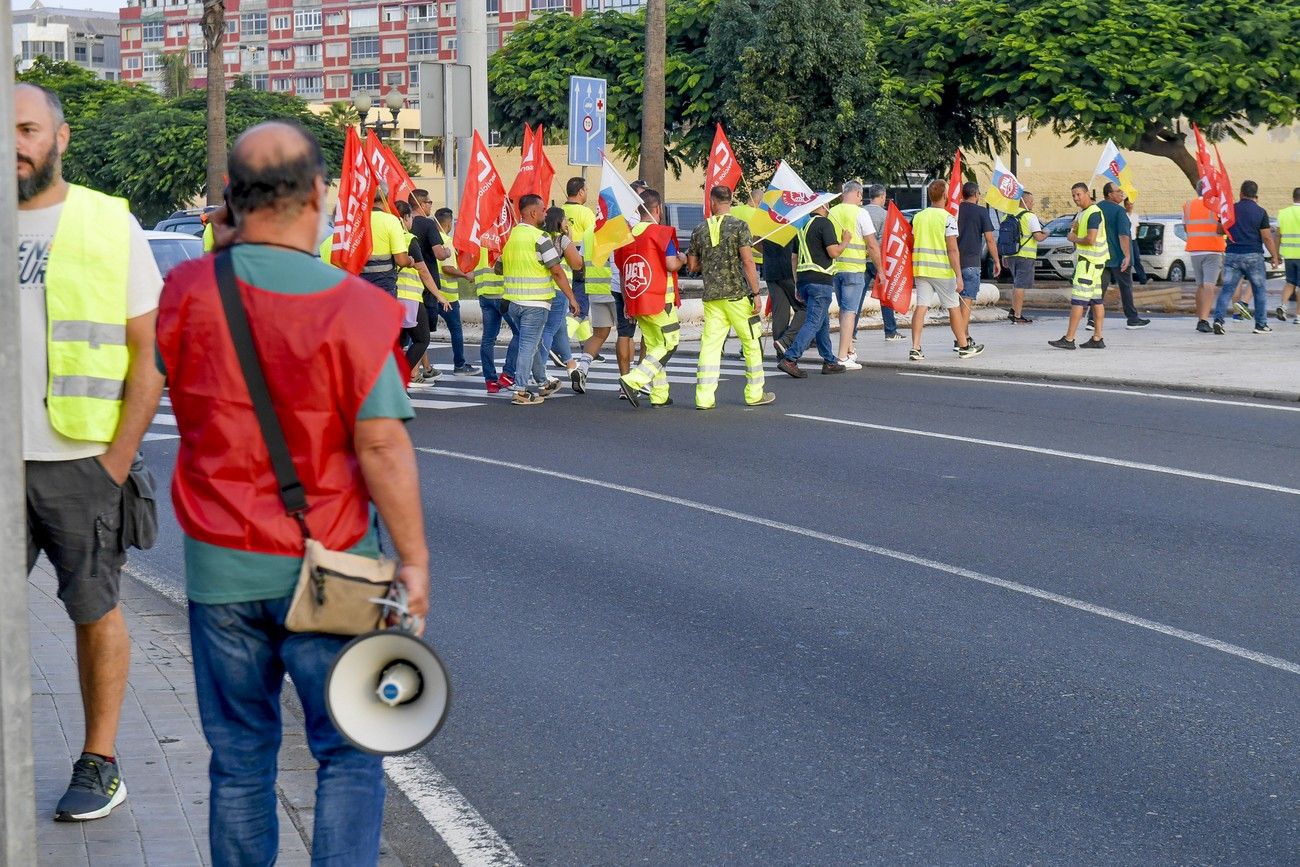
{"x": 529, "y": 323}
{"x": 241, "y": 654}
{"x": 970, "y": 283}
{"x": 816, "y": 324}
{"x": 487, "y": 353}
{"x": 886, "y": 313}
{"x": 452, "y": 318}
{"x": 556, "y": 333}
{"x": 1235, "y": 267}
{"x": 850, "y": 288}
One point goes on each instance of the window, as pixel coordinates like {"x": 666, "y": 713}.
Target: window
{"x": 281, "y": 22}
{"x": 336, "y": 19}
{"x": 231, "y": 28}
{"x": 306, "y": 19}
{"x": 449, "y": 43}
{"x": 423, "y": 12}
{"x": 52, "y": 50}
{"x": 422, "y": 43}
{"x": 364, "y": 17}
{"x": 198, "y": 59}
{"x": 280, "y": 55}
{"x": 176, "y": 31}
{"x": 368, "y": 81}
{"x": 548, "y": 5}
{"x": 493, "y": 7}
{"x": 130, "y": 34}
{"x": 414, "y": 75}
{"x": 253, "y": 24}
{"x": 394, "y": 46}
{"x": 365, "y": 48}
{"x": 282, "y": 85}
{"x": 336, "y": 49}
{"x": 79, "y": 53}
{"x": 493, "y": 38}
{"x": 152, "y": 61}
{"x": 395, "y": 79}
{"x": 152, "y": 31}
{"x": 230, "y": 57}
{"x": 196, "y": 32}
{"x": 97, "y": 53}
{"x": 392, "y": 13}
{"x": 133, "y": 63}
{"x": 448, "y": 10}
{"x": 308, "y": 53}
{"x": 260, "y": 81}
{"x": 338, "y": 82}
{"x": 310, "y": 85}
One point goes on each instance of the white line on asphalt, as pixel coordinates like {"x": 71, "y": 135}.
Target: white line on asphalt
{"x": 1002, "y": 583}
{"x": 471, "y": 839}
{"x": 1056, "y": 453}
{"x": 441, "y": 404}
{"x": 1120, "y": 392}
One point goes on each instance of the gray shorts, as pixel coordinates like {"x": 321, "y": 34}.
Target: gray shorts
{"x": 604, "y": 313}
{"x": 936, "y": 292}
{"x": 1022, "y": 272}
{"x": 1207, "y": 268}
{"x": 74, "y": 515}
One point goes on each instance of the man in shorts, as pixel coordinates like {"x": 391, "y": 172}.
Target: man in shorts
{"x": 1022, "y": 262}
{"x": 1088, "y": 234}
{"x": 936, "y": 261}
{"x": 974, "y": 234}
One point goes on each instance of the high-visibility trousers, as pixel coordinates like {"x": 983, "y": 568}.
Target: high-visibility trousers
{"x": 720, "y": 319}
{"x": 660, "y": 335}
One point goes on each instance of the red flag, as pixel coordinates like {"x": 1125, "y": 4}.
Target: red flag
{"x": 954, "y": 185}
{"x": 1227, "y": 209}
{"x": 485, "y": 213}
{"x": 357, "y": 183}
{"x": 723, "y": 168}
{"x": 389, "y": 170}
{"x": 894, "y": 286}
{"x": 535, "y": 170}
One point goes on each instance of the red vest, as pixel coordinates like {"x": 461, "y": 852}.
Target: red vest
{"x": 643, "y": 270}
{"x": 322, "y": 353}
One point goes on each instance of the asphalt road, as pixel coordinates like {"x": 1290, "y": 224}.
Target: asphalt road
{"x": 688, "y": 651}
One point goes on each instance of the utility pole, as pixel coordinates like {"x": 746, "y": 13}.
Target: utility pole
{"x": 471, "y": 50}
{"x": 653, "y": 100}
{"x": 17, "y": 785}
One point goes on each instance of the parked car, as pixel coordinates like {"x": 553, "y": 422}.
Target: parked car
{"x": 172, "y": 248}
{"x": 187, "y": 222}
{"x": 683, "y": 217}
{"x": 1162, "y": 243}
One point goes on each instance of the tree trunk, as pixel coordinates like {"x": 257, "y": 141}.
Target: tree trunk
{"x": 1161, "y": 141}
{"x": 214, "y": 34}
{"x": 652, "y": 107}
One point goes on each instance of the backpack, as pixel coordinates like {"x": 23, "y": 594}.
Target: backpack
{"x": 1009, "y": 243}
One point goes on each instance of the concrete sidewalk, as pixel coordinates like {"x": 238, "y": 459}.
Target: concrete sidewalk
{"x": 164, "y": 758}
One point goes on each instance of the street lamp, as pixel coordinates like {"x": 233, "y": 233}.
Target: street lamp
{"x": 363, "y": 102}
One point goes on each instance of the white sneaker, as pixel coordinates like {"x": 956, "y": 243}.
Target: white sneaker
{"x": 853, "y": 356}
{"x": 850, "y": 364}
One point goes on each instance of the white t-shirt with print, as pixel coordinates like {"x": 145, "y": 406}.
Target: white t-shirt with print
{"x": 41, "y": 442}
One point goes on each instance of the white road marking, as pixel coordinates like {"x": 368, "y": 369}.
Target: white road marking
{"x": 1120, "y": 392}
{"x": 471, "y": 839}
{"x": 150, "y": 436}
{"x": 1056, "y": 453}
{"x": 1001, "y": 583}
{"x": 440, "y": 404}
{"x": 163, "y": 418}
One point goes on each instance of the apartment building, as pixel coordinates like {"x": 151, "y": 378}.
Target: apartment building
{"x": 88, "y": 39}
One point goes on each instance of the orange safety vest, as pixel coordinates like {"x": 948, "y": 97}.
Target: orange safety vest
{"x": 1202, "y": 229}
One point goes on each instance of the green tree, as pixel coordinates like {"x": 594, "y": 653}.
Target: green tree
{"x": 342, "y": 115}
{"x": 175, "y": 74}
{"x": 1098, "y": 69}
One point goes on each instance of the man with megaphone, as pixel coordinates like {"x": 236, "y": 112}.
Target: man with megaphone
{"x": 288, "y": 391}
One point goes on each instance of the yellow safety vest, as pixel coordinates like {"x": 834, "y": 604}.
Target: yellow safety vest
{"x": 930, "y": 245}
{"x": 209, "y": 237}
{"x": 1099, "y": 252}
{"x": 85, "y": 311}
{"x": 745, "y": 213}
{"x": 524, "y": 278}
{"x": 487, "y": 282}
{"x": 599, "y": 276}
{"x": 409, "y": 285}
{"x": 854, "y": 258}
{"x": 1288, "y": 223}
{"x": 806, "y": 262}
{"x": 1028, "y": 243}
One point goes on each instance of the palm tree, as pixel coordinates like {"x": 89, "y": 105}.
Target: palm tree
{"x": 175, "y": 74}
{"x": 652, "y": 105}
{"x": 342, "y": 115}
{"x": 214, "y": 36}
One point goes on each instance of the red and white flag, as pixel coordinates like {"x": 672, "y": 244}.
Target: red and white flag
{"x": 723, "y": 169}
{"x": 1213, "y": 185}
{"x": 486, "y": 216}
{"x": 894, "y": 285}
{"x": 954, "y": 185}
{"x": 1226, "y": 208}
{"x": 535, "y": 170}
{"x": 357, "y": 183}
{"x": 389, "y": 171}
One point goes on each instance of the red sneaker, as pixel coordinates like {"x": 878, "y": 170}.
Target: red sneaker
{"x": 505, "y": 380}
{"x": 493, "y": 386}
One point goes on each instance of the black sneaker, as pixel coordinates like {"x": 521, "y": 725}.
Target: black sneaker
{"x": 1094, "y": 343}
{"x": 916, "y": 355}
{"x": 1280, "y": 314}
{"x": 578, "y": 380}
{"x": 956, "y": 347}
{"x": 598, "y": 357}
{"x": 1088, "y": 325}
{"x": 833, "y": 367}
{"x": 629, "y": 393}
{"x": 1063, "y": 343}
{"x": 1218, "y": 327}
{"x": 970, "y": 350}
{"x": 1204, "y": 327}
{"x": 1242, "y": 310}
{"x": 96, "y": 788}
{"x": 1262, "y": 329}
{"x": 555, "y": 358}
{"x": 465, "y": 370}
{"x": 1137, "y": 323}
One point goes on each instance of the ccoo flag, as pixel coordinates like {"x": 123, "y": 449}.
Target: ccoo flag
{"x": 617, "y": 211}
{"x": 894, "y": 285}
{"x": 485, "y": 214}
{"x": 1113, "y": 167}
{"x": 723, "y": 169}
{"x": 953, "y": 203}
{"x": 1005, "y": 191}
{"x": 357, "y": 183}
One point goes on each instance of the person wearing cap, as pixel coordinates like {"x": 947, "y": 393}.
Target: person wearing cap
{"x": 850, "y": 268}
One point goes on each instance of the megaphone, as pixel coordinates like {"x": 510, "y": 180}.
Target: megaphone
{"x": 387, "y": 691}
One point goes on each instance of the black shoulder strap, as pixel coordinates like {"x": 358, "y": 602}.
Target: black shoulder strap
{"x": 292, "y": 493}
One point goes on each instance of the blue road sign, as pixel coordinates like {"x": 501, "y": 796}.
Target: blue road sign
{"x": 586, "y": 120}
